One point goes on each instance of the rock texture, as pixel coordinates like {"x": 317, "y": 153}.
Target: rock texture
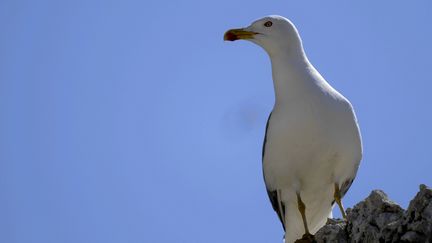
{"x": 378, "y": 219}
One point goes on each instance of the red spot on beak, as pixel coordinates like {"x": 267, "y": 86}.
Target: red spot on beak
{"x": 229, "y": 36}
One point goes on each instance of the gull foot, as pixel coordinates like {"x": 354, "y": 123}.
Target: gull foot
{"x": 307, "y": 238}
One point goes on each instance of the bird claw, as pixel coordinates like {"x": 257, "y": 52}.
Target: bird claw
{"x": 307, "y": 238}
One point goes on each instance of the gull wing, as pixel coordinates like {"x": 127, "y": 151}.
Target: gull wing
{"x": 273, "y": 195}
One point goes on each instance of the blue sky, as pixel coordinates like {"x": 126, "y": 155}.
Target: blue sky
{"x": 132, "y": 121}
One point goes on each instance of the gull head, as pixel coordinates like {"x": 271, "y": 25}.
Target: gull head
{"x": 276, "y": 34}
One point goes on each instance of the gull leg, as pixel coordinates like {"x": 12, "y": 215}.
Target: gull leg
{"x": 307, "y": 237}
{"x": 338, "y": 200}
{"x": 302, "y": 209}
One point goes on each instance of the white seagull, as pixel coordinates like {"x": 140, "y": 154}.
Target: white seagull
{"x": 312, "y": 146}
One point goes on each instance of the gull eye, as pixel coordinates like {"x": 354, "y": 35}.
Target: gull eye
{"x": 268, "y": 24}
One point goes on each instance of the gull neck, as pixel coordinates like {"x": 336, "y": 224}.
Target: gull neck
{"x": 293, "y": 76}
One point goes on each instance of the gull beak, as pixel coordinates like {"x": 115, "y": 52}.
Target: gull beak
{"x": 238, "y": 34}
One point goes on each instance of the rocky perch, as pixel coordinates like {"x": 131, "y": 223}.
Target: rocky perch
{"x": 378, "y": 219}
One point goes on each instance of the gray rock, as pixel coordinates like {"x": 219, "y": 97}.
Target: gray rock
{"x": 333, "y": 231}
{"x": 417, "y": 223}
{"x": 378, "y": 219}
{"x": 368, "y": 219}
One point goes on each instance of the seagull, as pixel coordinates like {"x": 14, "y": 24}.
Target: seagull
{"x": 312, "y": 144}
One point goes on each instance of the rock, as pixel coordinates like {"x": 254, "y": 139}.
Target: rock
{"x": 333, "y": 231}
{"x": 417, "y": 223}
{"x": 368, "y": 219}
{"x": 378, "y": 219}
{"x": 307, "y": 238}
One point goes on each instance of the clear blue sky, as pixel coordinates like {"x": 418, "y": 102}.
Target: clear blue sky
{"x": 132, "y": 121}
